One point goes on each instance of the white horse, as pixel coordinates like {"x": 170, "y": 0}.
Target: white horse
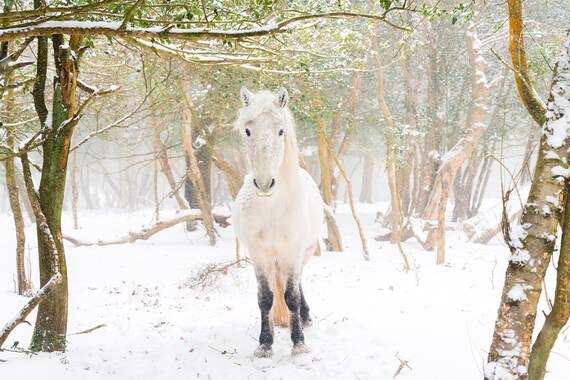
{"x": 277, "y": 215}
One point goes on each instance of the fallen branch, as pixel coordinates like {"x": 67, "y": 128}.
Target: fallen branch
{"x": 90, "y": 330}
{"x": 478, "y": 229}
{"x": 403, "y": 364}
{"x": 209, "y": 274}
{"x": 146, "y": 233}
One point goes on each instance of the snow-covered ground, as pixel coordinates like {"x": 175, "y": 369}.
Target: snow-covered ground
{"x": 368, "y": 315}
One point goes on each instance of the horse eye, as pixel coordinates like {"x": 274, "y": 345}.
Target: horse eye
{"x": 281, "y": 132}
{"x": 247, "y": 132}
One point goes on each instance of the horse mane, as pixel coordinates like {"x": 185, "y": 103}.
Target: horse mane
{"x": 264, "y": 102}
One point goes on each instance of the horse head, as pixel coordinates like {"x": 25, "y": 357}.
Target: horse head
{"x": 267, "y": 128}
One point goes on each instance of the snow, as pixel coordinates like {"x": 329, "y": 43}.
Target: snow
{"x": 551, "y": 155}
{"x": 553, "y": 200}
{"x": 517, "y": 292}
{"x": 439, "y": 318}
{"x": 517, "y": 234}
{"x": 494, "y": 370}
{"x": 520, "y": 257}
{"x": 559, "y": 171}
{"x": 546, "y": 210}
{"x": 557, "y": 127}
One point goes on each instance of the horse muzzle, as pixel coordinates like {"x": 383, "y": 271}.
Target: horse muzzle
{"x": 264, "y": 190}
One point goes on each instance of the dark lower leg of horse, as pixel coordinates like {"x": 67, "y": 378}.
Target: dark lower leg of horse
{"x": 305, "y": 317}
{"x": 265, "y": 301}
{"x": 293, "y": 301}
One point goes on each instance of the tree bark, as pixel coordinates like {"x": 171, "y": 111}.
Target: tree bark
{"x": 51, "y": 323}
{"x": 531, "y": 254}
{"x": 560, "y": 313}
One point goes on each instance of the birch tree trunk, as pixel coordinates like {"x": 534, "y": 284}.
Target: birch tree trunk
{"x": 534, "y": 240}
{"x": 560, "y": 312}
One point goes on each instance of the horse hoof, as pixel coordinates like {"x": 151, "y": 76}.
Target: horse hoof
{"x": 308, "y": 323}
{"x": 300, "y": 348}
{"x": 263, "y": 351}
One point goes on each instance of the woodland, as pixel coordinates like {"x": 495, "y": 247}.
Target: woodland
{"x": 423, "y": 123}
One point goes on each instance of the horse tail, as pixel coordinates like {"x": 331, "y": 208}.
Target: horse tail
{"x": 281, "y": 315}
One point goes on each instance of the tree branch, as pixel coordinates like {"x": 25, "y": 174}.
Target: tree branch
{"x": 113, "y": 29}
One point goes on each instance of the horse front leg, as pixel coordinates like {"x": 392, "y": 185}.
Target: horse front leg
{"x": 293, "y": 300}
{"x": 306, "y": 320}
{"x": 265, "y": 301}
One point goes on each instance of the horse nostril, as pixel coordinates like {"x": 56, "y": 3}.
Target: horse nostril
{"x": 255, "y": 183}
{"x": 272, "y": 183}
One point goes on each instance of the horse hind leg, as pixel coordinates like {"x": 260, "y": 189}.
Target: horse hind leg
{"x": 265, "y": 301}
{"x": 280, "y": 311}
{"x": 293, "y": 301}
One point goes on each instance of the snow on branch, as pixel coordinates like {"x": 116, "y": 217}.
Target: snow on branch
{"x": 119, "y": 29}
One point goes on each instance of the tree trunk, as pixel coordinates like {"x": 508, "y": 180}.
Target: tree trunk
{"x": 528, "y": 95}
{"x": 162, "y": 157}
{"x": 481, "y": 186}
{"x": 23, "y": 283}
{"x": 367, "y": 178}
{"x": 408, "y": 193}
{"x": 352, "y": 102}
{"x": 476, "y": 125}
{"x": 194, "y": 170}
{"x": 395, "y": 214}
{"x": 533, "y": 138}
{"x": 333, "y": 232}
{"x": 51, "y": 323}
{"x": 560, "y": 313}
{"x": 74, "y": 191}
{"x": 430, "y": 152}
{"x": 463, "y": 189}
{"x": 203, "y": 156}
{"x": 535, "y": 241}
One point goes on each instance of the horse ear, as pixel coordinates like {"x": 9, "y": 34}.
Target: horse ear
{"x": 246, "y": 96}
{"x": 282, "y": 97}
